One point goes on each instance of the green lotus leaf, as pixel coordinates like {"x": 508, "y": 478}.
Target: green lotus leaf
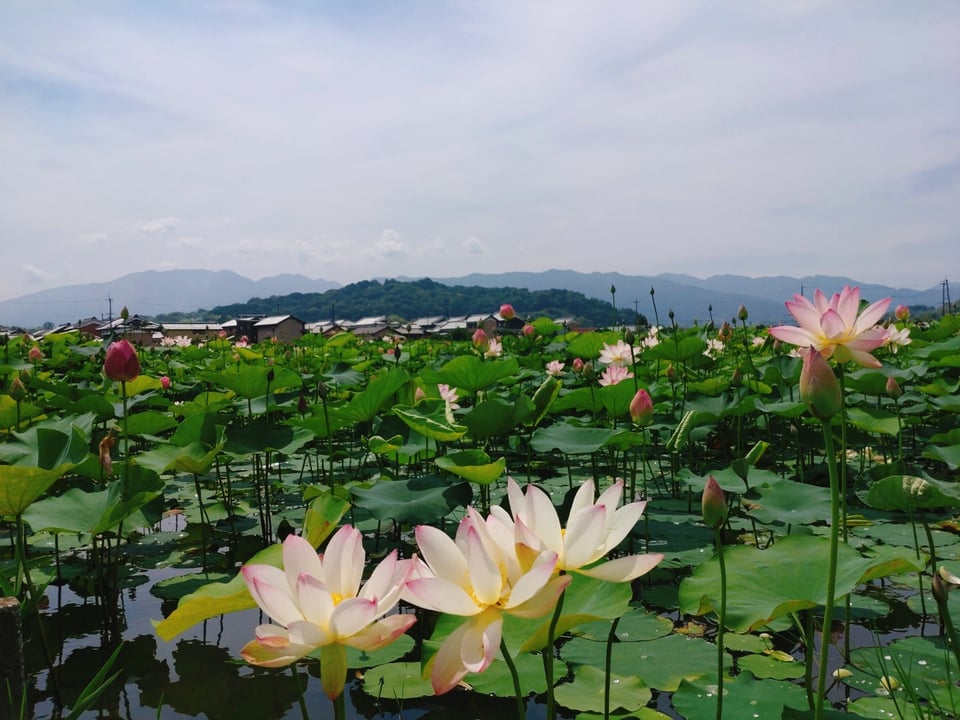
{"x": 381, "y": 446}
{"x": 263, "y": 435}
{"x": 431, "y": 426}
{"x": 948, "y": 454}
{"x": 744, "y": 697}
{"x": 495, "y": 417}
{"x": 21, "y": 486}
{"x": 763, "y": 585}
{"x": 397, "y": 681}
{"x": 588, "y": 691}
{"x": 417, "y": 500}
{"x": 788, "y": 502}
{"x": 685, "y": 350}
{"x": 150, "y": 422}
{"x": 573, "y": 440}
{"x": 874, "y": 420}
{"x": 471, "y": 374}
{"x": 96, "y": 512}
{"x": 472, "y": 465}
{"x": 377, "y": 394}
{"x": 900, "y": 492}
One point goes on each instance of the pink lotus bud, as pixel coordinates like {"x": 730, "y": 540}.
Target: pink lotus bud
{"x": 507, "y": 312}
{"x": 17, "y": 391}
{"x": 165, "y": 382}
{"x": 35, "y": 354}
{"x": 901, "y": 313}
{"x": 480, "y": 340}
{"x": 713, "y": 504}
{"x": 577, "y": 364}
{"x": 939, "y": 589}
{"x": 641, "y": 408}
{"x": 819, "y": 387}
{"x": 893, "y": 388}
{"x": 222, "y": 334}
{"x": 529, "y": 331}
{"x": 121, "y": 363}
{"x": 418, "y": 395}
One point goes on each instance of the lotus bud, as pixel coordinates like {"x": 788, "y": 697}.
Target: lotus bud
{"x": 396, "y": 353}
{"x": 641, "y": 408}
{"x": 322, "y": 390}
{"x": 35, "y": 354}
{"x": 588, "y": 371}
{"x": 725, "y": 332}
{"x": 507, "y": 312}
{"x": 418, "y": 395}
{"x": 124, "y": 313}
{"x": 671, "y": 373}
{"x": 17, "y": 391}
{"x": 713, "y": 504}
{"x": 939, "y": 589}
{"x": 893, "y": 388}
{"x": 480, "y": 340}
{"x": 165, "y": 382}
{"x": 671, "y": 314}
{"x": 902, "y": 313}
{"x": 819, "y": 387}
{"x": 628, "y": 337}
{"x": 742, "y": 313}
{"x": 121, "y": 363}
{"x": 528, "y": 331}
{"x": 577, "y": 364}
{"x": 302, "y": 403}
{"x": 222, "y": 334}
{"x": 271, "y": 375}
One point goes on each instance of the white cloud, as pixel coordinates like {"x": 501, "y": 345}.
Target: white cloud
{"x": 475, "y": 246}
{"x": 157, "y": 226}
{"x": 388, "y": 246}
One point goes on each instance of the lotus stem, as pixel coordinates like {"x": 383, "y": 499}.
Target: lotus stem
{"x": 831, "y": 569}
{"x": 548, "y": 660}
{"x": 521, "y": 712}
{"x": 722, "y": 619}
{"x": 606, "y": 668}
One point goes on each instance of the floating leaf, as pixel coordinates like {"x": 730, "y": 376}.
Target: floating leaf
{"x": 472, "y": 465}
{"x": 417, "y": 500}
{"x": 588, "y": 691}
{"x": 743, "y": 697}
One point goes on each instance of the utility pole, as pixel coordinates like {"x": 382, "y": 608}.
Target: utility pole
{"x": 110, "y": 309}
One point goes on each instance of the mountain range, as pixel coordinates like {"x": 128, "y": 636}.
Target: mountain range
{"x": 157, "y": 292}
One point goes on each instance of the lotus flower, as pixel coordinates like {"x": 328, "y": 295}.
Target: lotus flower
{"x": 555, "y": 368}
{"x": 478, "y": 575}
{"x": 834, "y": 328}
{"x": 121, "y": 363}
{"x": 494, "y": 348}
{"x": 317, "y": 602}
{"x": 641, "y": 408}
{"x": 713, "y": 505}
{"x": 507, "y": 312}
{"x": 617, "y": 354}
{"x": 614, "y": 374}
{"x": 594, "y": 528}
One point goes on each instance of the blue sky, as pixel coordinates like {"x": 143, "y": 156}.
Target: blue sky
{"x": 349, "y": 140}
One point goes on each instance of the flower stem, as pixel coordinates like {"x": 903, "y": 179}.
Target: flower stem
{"x": 521, "y": 713}
{"x": 722, "y": 620}
{"x": 340, "y": 706}
{"x": 303, "y": 704}
{"x": 548, "y": 660}
{"x": 831, "y": 569}
{"x": 606, "y": 668}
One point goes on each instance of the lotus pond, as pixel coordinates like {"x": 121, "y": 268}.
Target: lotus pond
{"x": 130, "y": 505}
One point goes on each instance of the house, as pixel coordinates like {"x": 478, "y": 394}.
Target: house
{"x": 139, "y": 331}
{"x": 285, "y": 328}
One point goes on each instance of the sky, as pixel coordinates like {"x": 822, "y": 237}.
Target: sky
{"x": 356, "y": 140}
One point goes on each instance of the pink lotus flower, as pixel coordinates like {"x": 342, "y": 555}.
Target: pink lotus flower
{"x": 901, "y": 313}
{"x": 494, "y": 348}
{"x": 594, "y": 528}
{"x": 317, "y": 602}
{"x": 614, "y": 374}
{"x": 555, "y": 368}
{"x": 528, "y": 330}
{"x": 618, "y": 354}
{"x": 834, "y": 328}
{"x": 577, "y": 364}
{"x": 478, "y": 575}
{"x": 121, "y": 363}
{"x": 507, "y": 312}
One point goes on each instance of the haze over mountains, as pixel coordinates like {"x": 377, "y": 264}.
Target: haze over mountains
{"x": 154, "y": 292}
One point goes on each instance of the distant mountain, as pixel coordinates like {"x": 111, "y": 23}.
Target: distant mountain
{"x": 154, "y": 293}
{"x": 149, "y": 293}
{"x": 690, "y": 297}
